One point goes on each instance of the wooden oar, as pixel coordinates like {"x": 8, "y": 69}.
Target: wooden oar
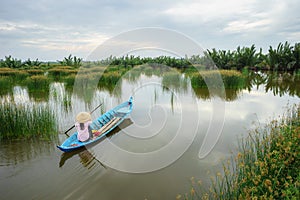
{"x": 107, "y": 124}
{"x": 74, "y": 124}
{"x": 111, "y": 124}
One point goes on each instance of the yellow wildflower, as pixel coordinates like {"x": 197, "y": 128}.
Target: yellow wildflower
{"x": 286, "y": 184}
{"x": 192, "y": 192}
{"x": 268, "y": 182}
{"x": 270, "y": 189}
{"x": 193, "y": 180}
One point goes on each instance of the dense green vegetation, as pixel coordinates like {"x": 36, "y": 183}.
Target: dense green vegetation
{"x": 26, "y": 121}
{"x": 37, "y": 75}
{"x": 230, "y": 78}
{"x": 237, "y": 72}
{"x": 108, "y": 77}
{"x": 71, "y": 61}
{"x": 266, "y": 165}
{"x": 284, "y": 57}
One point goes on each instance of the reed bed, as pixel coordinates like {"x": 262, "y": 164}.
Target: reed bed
{"x": 21, "y": 121}
{"x": 94, "y": 69}
{"x": 35, "y": 71}
{"x": 266, "y": 165}
{"x": 69, "y": 80}
{"x": 18, "y": 74}
{"x": 114, "y": 68}
{"x": 110, "y": 78}
{"x": 6, "y": 85}
{"x": 175, "y": 81}
{"x": 62, "y": 71}
{"x": 38, "y": 82}
{"x": 8, "y": 71}
{"x": 231, "y": 79}
{"x": 132, "y": 75}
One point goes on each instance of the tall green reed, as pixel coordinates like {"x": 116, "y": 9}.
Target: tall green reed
{"x": 231, "y": 79}
{"x": 266, "y": 165}
{"x": 26, "y": 121}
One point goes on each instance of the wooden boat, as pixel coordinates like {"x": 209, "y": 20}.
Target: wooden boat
{"x": 101, "y": 126}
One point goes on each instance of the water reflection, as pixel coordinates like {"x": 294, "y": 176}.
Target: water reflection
{"x": 20, "y": 95}
{"x": 87, "y": 159}
{"x": 16, "y": 152}
{"x": 85, "y": 87}
{"x": 158, "y": 93}
{"x": 277, "y": 83}
{"x": 66, "y": 102}
{"x": 281, "y": 84}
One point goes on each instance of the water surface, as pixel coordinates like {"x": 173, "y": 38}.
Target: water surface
{"x": 163, "y": 110}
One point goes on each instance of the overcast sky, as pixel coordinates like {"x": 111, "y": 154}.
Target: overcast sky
{"x": 52, "y": 29}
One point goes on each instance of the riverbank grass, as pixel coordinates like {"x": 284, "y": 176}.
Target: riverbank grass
{"x": 266, "y": 165}
{"x": 231, "y": 79}
{"x": 26, "y": 121}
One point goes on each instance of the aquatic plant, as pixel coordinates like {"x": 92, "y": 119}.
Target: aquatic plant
{"x": 69, "y": 80}
{"x": 110, "y": 78}
{"x": 38, "y": 82}
{"x": 175, "y": 80}
{"x": 230, "y": 78}
{"x": 26, "y": 121}
{"x": 59, "y": 71}
{"x": 5, "y": 71}
{"x": 266, "y": 165}
{"x": 35, "y": 71}
{"x": 133, "y": 75}
{"x": 6, "y": 85}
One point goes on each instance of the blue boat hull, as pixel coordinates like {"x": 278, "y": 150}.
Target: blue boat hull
{"x": 109, "y": 120}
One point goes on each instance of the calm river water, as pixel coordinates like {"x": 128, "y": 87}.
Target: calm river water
{"x": 155, "y": 152}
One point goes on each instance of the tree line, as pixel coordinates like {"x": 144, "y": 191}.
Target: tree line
{"x": 15, "y": 63}
{"x": 285, "y": 57}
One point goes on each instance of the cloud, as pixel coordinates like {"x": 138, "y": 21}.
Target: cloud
{"x": 207, "y": 11}
{"x": 78, "y": 26}
{"x": 66, "y": 39}
{"x": 240, "y": 26}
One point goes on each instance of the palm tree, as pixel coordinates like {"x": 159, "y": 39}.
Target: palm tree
{"x": 245, "y": 57}
{"x": 296, "y": 55}
{"x": 71, "y": 61}
{"x": 30, "y": 63}
{"x": 282, "y": 58}
{"x": 11, "y": 62}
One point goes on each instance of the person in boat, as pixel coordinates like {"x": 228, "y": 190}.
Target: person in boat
{"x": 83, "y": 122}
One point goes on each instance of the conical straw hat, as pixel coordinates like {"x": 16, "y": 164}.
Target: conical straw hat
{"x": 83, "y": 117}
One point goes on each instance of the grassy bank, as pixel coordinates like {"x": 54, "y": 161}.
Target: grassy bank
{"x": 266, "y": 165}
{"x": 26, "y": 121}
